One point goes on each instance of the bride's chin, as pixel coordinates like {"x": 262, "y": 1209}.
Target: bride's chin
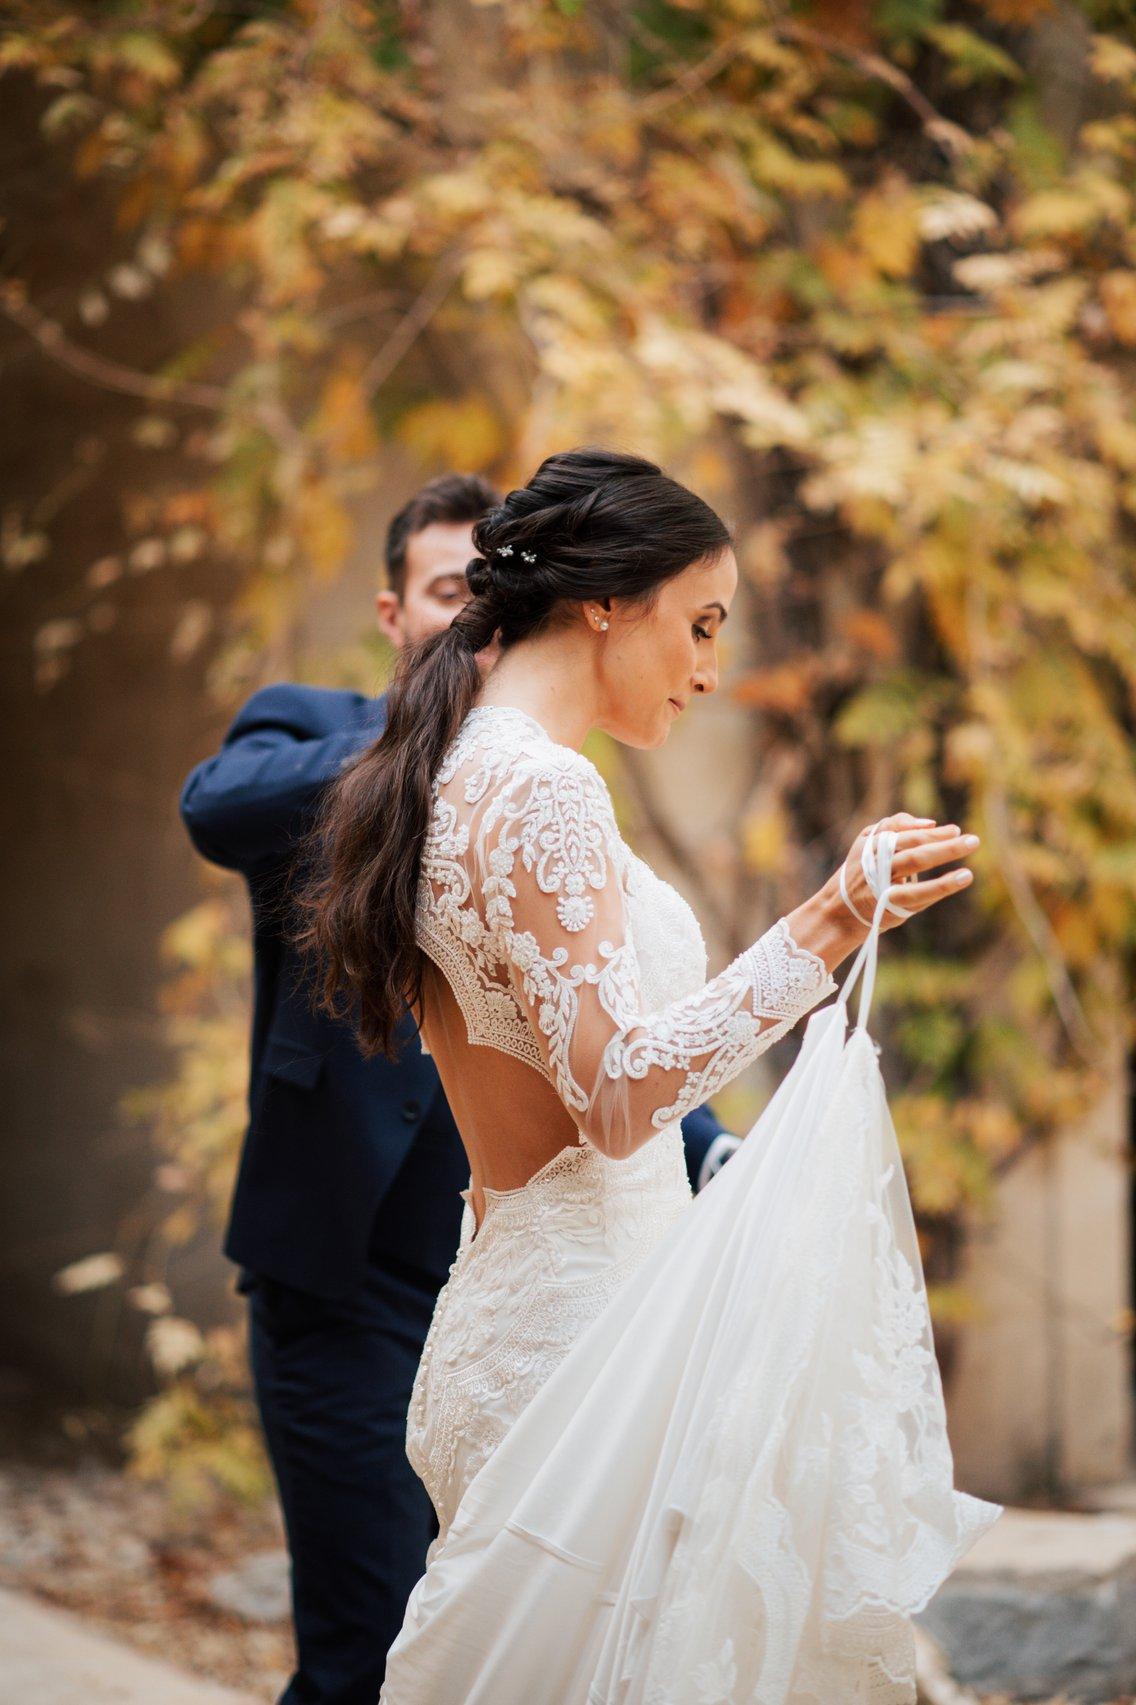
{"x": 644, "y": 742}
{"x": 642, "y": 735}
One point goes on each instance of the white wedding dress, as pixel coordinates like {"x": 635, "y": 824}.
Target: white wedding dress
{"x": 682, "y": 1451}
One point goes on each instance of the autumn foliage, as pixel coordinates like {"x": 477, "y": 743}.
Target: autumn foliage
{"x": 863, "y": 275}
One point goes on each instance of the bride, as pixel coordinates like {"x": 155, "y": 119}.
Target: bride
{"x": 682, "y": 1450}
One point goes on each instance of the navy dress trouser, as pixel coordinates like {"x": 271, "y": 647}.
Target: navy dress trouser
{"x": 333, "y": 1383}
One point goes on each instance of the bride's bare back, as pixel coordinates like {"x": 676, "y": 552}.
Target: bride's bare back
{"x": 564, "y": 995}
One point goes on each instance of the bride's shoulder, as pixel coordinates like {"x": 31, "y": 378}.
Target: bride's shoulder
{"x": 547, "y": 782}
{"x": 516, "y": 773}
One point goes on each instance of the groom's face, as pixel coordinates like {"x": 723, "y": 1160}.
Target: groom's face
{"x": 435, "y": 586}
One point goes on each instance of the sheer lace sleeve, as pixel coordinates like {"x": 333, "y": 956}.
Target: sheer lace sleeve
{"x": 552, "y": 869}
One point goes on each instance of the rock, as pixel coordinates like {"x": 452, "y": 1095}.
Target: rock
{"x": 257, "y": 1590}
{"x": 1044, "y": 1603}
{"x": 934, "y": 1686}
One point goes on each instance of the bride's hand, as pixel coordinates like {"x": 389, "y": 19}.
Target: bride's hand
{"x": 921, "y": 845}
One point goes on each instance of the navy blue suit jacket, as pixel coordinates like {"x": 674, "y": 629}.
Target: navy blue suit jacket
{"x": 345, "y": 1159}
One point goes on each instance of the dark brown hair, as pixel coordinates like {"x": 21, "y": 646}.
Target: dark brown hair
{"x": 449, "y": 497}
{"x": 591, "y": 523}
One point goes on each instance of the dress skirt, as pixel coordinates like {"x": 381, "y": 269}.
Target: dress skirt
{"x": 737, "y": 1484}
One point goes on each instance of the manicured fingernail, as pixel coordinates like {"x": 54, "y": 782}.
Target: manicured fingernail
{"x": 970, "y": 840}
{"x": 962, "y": 875}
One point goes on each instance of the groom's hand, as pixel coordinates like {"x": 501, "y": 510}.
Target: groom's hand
{"x": 723, "y": 1146}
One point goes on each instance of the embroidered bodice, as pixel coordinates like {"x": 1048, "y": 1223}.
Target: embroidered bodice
{"x": 565, "y": 951}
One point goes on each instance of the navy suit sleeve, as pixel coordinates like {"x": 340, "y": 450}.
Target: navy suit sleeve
{"x": 699, "y": 1129}
{"x": 245, "y": 806}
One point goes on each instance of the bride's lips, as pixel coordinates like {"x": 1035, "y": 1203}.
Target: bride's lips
{"x": 679, "y": 706}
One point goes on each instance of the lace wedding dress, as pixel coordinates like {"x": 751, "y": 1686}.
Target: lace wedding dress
{"x": 681, "y": 1450}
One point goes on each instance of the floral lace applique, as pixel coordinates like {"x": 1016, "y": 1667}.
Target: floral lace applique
{"x": 548, "y": 927}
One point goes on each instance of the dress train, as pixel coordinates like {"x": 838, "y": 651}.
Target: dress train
{"x": 737, "y": 1485}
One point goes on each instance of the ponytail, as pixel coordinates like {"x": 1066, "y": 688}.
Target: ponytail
{"x": 356, "y": 907}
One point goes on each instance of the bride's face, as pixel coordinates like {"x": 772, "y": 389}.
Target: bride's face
{"x": 652, "y": 664}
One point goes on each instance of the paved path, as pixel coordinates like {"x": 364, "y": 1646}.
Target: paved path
{"x": 50, "y": 1657}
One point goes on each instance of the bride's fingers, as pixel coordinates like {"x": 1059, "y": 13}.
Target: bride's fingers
{"x": 918, "y": 896}
{"x": 901, "y": 820}
{"x": 920, "y": 846}
{"x": 914, "y": 837}
{"x": 907, "y": 840}
{"x": 931, "y": 844}
{"x": 914, "y": 860}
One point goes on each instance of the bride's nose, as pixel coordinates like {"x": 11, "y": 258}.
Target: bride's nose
{"x": 705, "y": 677}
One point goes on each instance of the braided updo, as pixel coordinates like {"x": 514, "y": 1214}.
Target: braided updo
{"x": 590, "y": 524}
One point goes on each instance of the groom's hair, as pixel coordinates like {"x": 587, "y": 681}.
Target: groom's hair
{"x": 591, "y": 523}
{"x": 448, "y": 498}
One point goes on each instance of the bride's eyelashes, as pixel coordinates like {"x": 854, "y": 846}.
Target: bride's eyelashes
{"x": 701, "y": 632}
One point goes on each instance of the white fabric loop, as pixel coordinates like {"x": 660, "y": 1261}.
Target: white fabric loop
{"x": 877, "y": 874}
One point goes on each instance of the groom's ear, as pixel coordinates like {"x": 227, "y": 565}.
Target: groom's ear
{"x": 388, "y": 609}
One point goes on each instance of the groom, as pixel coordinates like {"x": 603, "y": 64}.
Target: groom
{"x": 346, "y": 1212}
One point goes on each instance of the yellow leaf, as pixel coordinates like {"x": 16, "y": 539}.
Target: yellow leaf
{"x": 462, "y": 433}
{"x": 490, "y": 272}
{"x": 787, "y": 687}
{"x": 1117, "y": 441}
{"x": 91, "y": 1273}
{"x": 323, "y": 528}
{"x": 1079, "y": 205}
{"x": 764, "y": 840}
{"x": 344, "y": 418}
{"x": 871, "y": 631}
{"x": 1118, "y": 294}
{"x": 885, "y": 227}
{"x": 843, "y": 268}
{"x": 1112, "y": 59}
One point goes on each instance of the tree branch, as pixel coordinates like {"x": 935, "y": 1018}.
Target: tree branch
{"x": 952, "y": 137}
{"x": 116, "y": 376}
{"x": 111, "y": 375}
{"x": 413, "y": 322}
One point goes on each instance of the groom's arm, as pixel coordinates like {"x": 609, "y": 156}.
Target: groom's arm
{"x": 707, "y": 1143}
{"x": 245, "y": 806}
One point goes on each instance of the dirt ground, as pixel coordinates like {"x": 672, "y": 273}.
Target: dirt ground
{"x": 78, "y": 1532}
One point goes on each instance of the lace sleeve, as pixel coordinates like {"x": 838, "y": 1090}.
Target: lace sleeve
{"x": 552, "y": 868}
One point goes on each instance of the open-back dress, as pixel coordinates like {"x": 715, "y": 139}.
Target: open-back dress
{"x": 681, "y": 1450}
